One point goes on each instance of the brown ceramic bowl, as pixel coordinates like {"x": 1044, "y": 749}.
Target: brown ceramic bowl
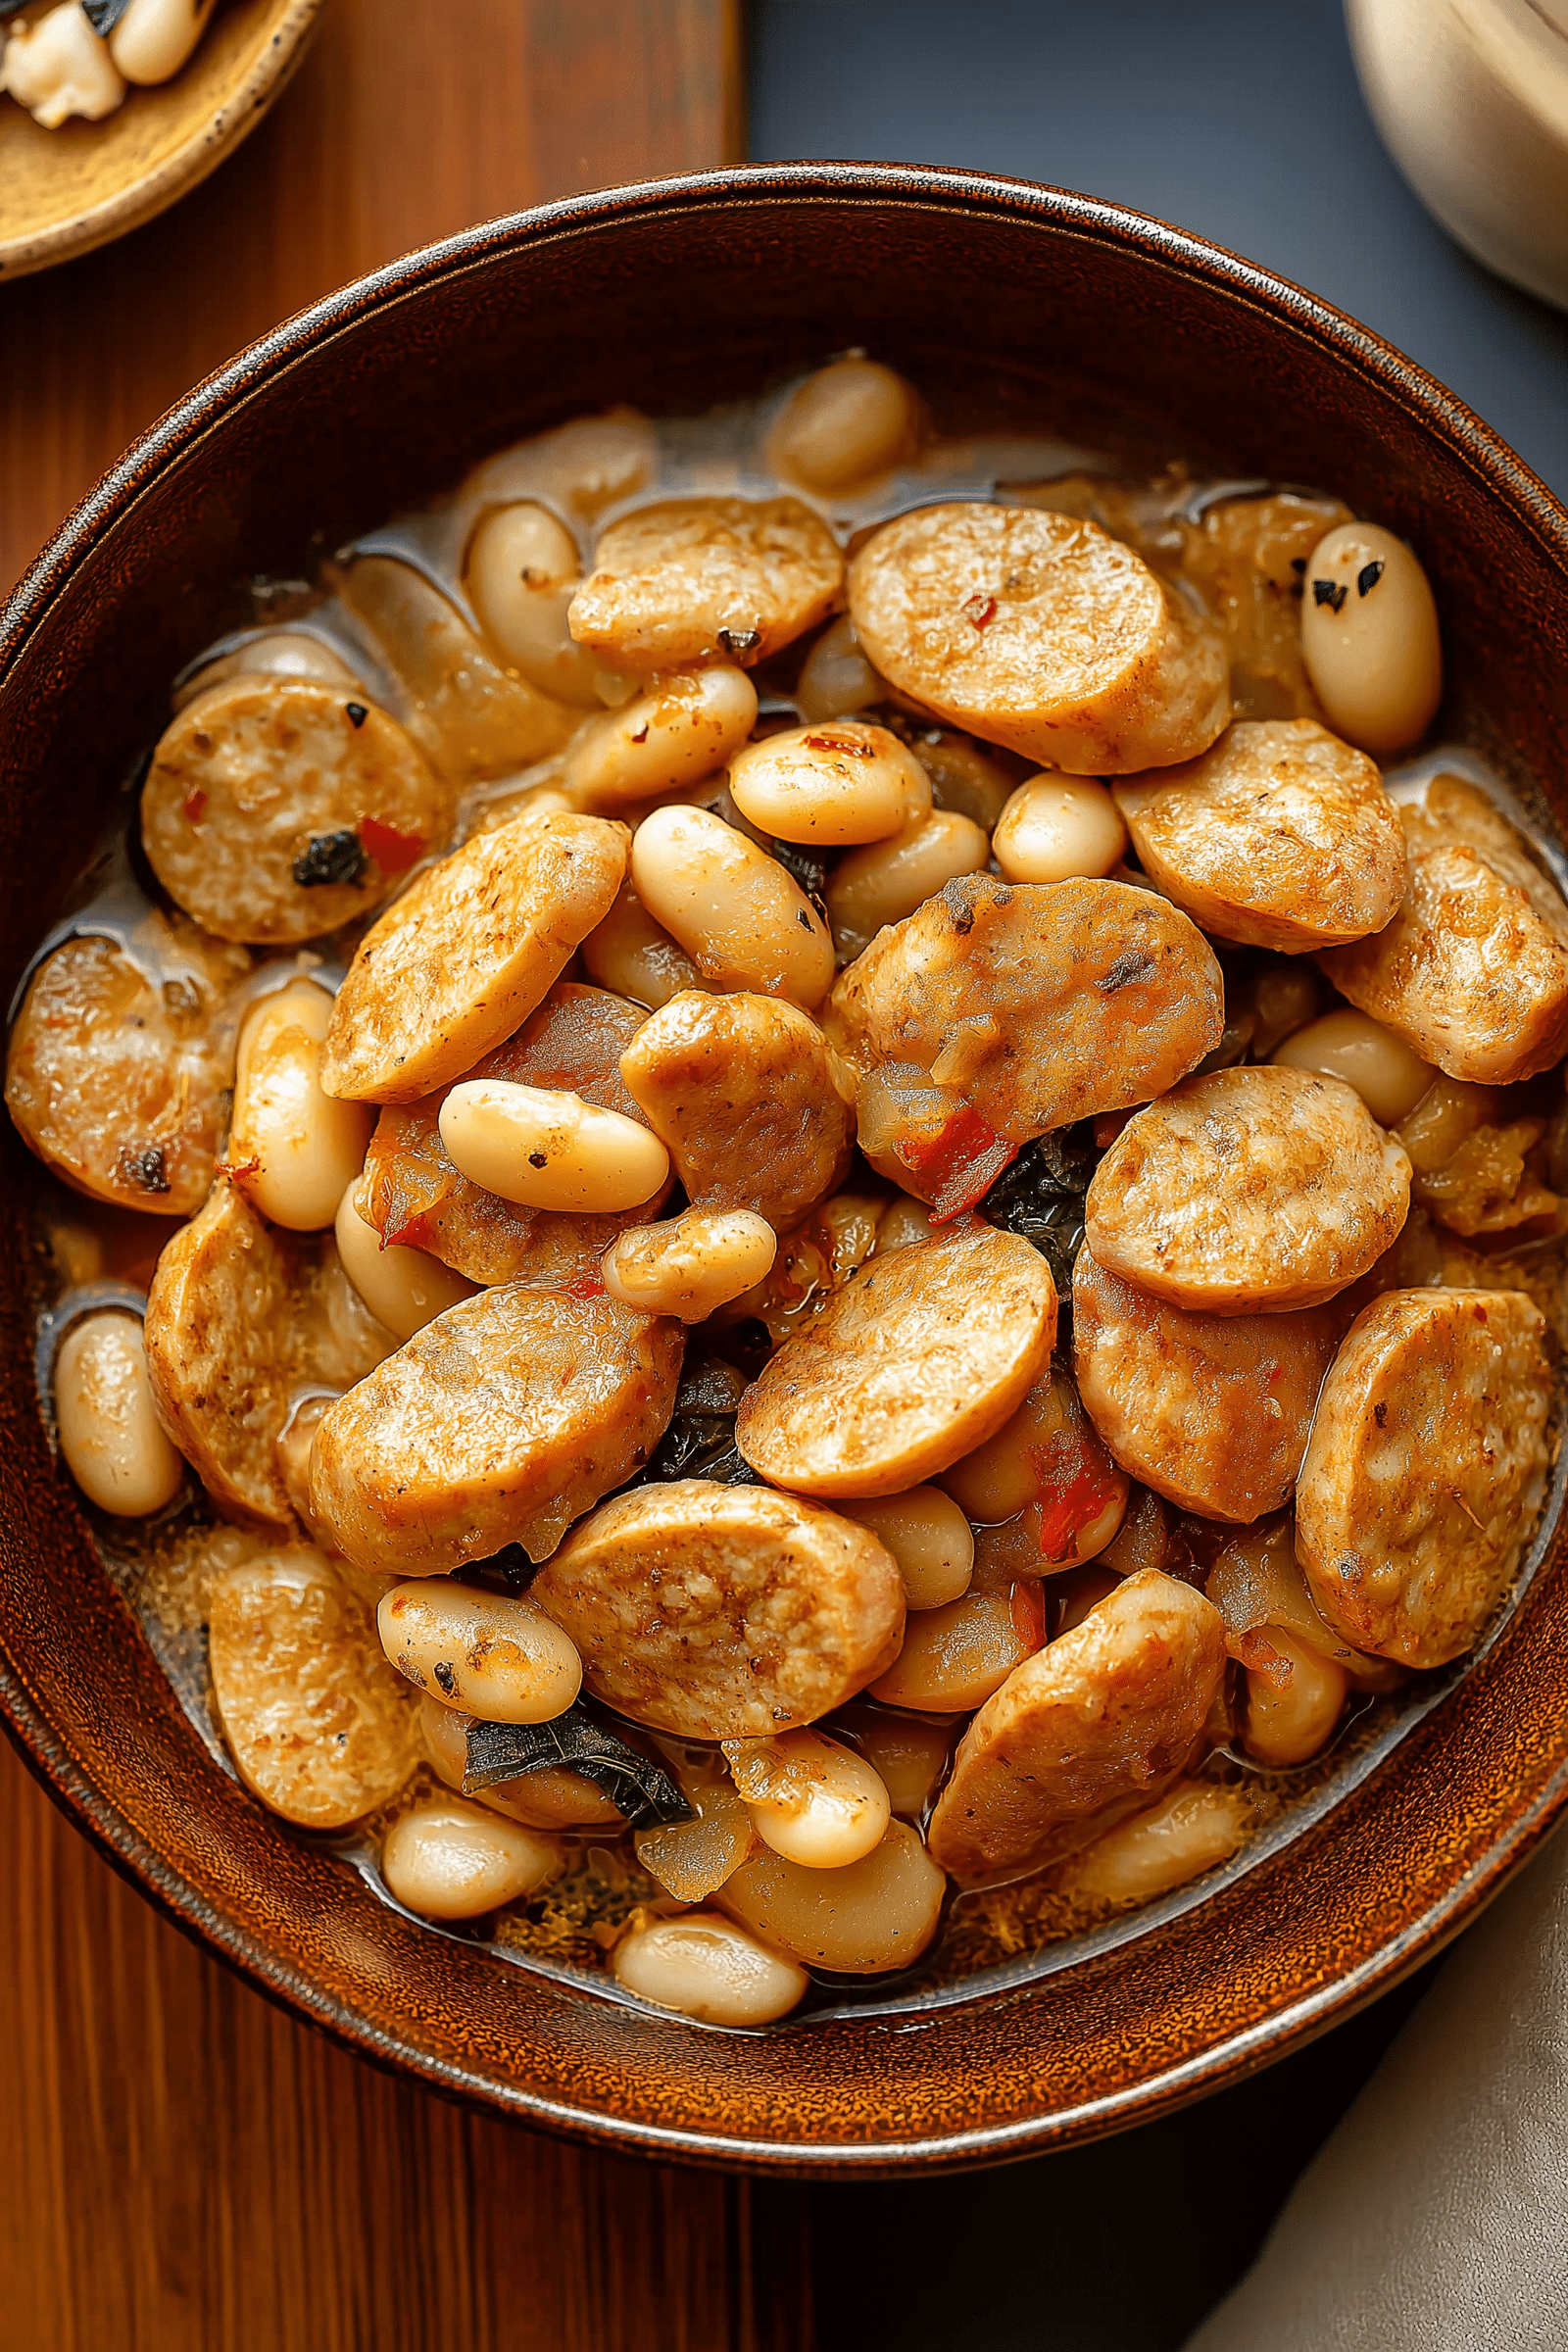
{"x": 679, "y": 294}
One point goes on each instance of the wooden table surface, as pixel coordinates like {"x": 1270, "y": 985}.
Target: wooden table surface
{"x": 188, "y": 2171}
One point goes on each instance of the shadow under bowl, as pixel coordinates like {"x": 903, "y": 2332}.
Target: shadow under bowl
{"x": 673, "y": 296}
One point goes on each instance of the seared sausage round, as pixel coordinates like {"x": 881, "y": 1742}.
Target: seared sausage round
{"x": 1425, "y": 1470}
{"x": 1213, "y": 1411}
{"x": 706, "y": 579}
{"x": 912, "y": 1363}
{"x": 1104, "y": 1713}
{"x": 498, "y": 1423}
{"x": 719, "y": 1612}
{"x": 1280, "y": 835}
{"x": 1248, "y": 1191}
{"x": 1042, "y": 632}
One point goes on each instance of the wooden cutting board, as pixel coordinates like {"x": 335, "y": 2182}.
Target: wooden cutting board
{"x": 187, "y": 2170}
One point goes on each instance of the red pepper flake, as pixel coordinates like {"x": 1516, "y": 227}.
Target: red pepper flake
{"x": 1063, "y": 1517}
{"x": 195, "y": 802}
{"x": 236, "y": 1170}
{"x": 586, "y": 1285}
{"x": 981, "y": 609}
{"x": 415, "y": 1234}
{"x": 958, "y": 1167}
{"x": 1026, "y": 1606}
{"x": 393, "y": 852}
{"x": 840, "y": 743}
{"x": 641, "y": 735}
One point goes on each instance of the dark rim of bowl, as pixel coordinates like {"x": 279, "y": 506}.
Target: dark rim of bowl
{"x": 162, "y": 445}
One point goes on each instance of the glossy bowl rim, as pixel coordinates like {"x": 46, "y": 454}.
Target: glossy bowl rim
{"x": 1291, "y": 309}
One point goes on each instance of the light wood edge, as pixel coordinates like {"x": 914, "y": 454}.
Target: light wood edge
{"x": 733, "y": 133}
{"x": 281, "y": 54}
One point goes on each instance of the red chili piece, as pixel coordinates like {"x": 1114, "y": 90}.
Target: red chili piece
{"x": 981, "y": 609}
{"x": 392, "y": 851}
{"x": 195, "y": 802}
{"x": 959, "y": 1165}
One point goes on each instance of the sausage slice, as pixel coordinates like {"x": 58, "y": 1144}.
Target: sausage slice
{"x": 496, "y": 1424}
{"x": 1213, "y": 1411}
{"x": 912, "y": 1364}
{"x": 1426, "y": 1469}
{"x": 1473, "y": 969}
{"x": 1036, "y": 1003}
{"x": 278, "y": 807}
{"x": 719, "y": 1612}
{"x": 1248, "y": 1191}
{"x": 706, "y": 579}
{"x": 466, "y": 955}
{"x": 746, "y": 1094}
{"x": 1042, "y": 632}
{"x": 1279, "y": 836}
{"x": 1107, "y": 1712}
{"x": 216, "y": 1332}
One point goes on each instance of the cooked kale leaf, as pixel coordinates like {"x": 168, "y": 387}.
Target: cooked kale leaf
{"x": 506, "y": 1751}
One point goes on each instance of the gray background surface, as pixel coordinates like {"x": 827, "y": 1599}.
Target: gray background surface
{"x": 1242, "y": 119}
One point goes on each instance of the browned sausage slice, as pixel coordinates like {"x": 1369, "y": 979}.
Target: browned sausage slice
{"x": 746, "y": 1094}
{"x": 1426, "y": 1469}
{"x": 719, "y": 1612}
{"x": 1473, "y": 969}
{"x": 912, "y": 1364}
{"x": 1248, "y": 1191}
{"x": 216, "y": 1331}
{"x": 706, "y": 579}
{"x": 1034, "y": 1003}
{"x": 1213, "y": 1411}
{"x": 465, "y": 956}
{"x": 496, "y": 1424}
{"x": 276, "y": 808}
{"x": 1107, "y": 1712}
{"x": 1042, "y": 632}
{"x": 1279, "y": 836}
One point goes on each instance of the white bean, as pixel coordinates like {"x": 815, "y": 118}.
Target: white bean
{"x": 878, "y": 1912}
{"x": 1292, "y": 1707}
{"x": 547, "y": 1148}
{"x": 1390, "y": 1077}
{"x": 521, "y": 570}
{"x": 403, "y": 1288}
{"x": 275, "y": 654}
{"x": 911, "y": 1752}
{"x": 109, "y": 1434}
{"x": 955, "y": 1657}
{"x": 851, "y": 421}
{"x": 810, "y": 1799}
{"x": 688, "y": 725}
{"x": 741, "y": 918}
{"x": 902, "y": 1221}
{"x": 292, "y": 1148}
{"x": 488, "y": 1653}
{"x": 707, "y": 1968}
{"x": 927, "y": 1534}
{"x": 453, "y": 1861}
{"x": 889, "y": 879}
{"x": 692, "y": 1266}
{"x": 551, "y": 1798}
{"x": 830, "y": 784}
{"x": 1369, "y": 637}
{"x": 59, "y": 67}
{"x": 836, "y": 677}
{"x": 635, "y": 956}
{"x": 1055, "y": 827}
{"x": 154, "y": 38}
{"x": 1188, "y": 1831}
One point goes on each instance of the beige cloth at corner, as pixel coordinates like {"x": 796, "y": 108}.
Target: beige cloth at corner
{"x": 1435, "y": 2217}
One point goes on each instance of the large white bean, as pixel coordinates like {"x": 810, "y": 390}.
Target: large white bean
{"x": 692, "y": 1266}
{"x": 449, "y": 1860}
{"x": 684, "y": 727}
{"x": 1293, "y": 1701}
{"x": 955, "y": 1656}
{"x": 832, "y": 785}
{"x": 878, "y": 1912}
{"x": 486, "y": 1652}
{"x": 520, "y": 570}
{"x": 810, "y": 1799}
{"x": 154, "y": 38}
{"x": 889, "y": 879}
{"x": 836, "y": 677}
{"x": 109, "y": 1434}
{"x": 707, "y": 1968}
{"x": 547, "y": 1148}
{"x": 550, "y": 1798}
{"x": 741, "y": 918}
{"x": 1187, "y": 1833}
{"x": 1369, "y": 637}
{"x": 293, "y": 1149}
{"x": 1055, "y": 827}
{"x": 57, "y": 65}
{"x": 1390, "y": 1077}
{"x": 850, "y": 421}
{"x": 927, "y": 1534}
{"x": 403, "y": 1288}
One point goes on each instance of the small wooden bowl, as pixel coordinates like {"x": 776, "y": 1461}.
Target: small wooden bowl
{"x": 64, "y": 191}
{"x": 674, "y": 296}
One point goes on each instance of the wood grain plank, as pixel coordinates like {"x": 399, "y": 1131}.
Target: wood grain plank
{"x": 189, "y": 2171}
